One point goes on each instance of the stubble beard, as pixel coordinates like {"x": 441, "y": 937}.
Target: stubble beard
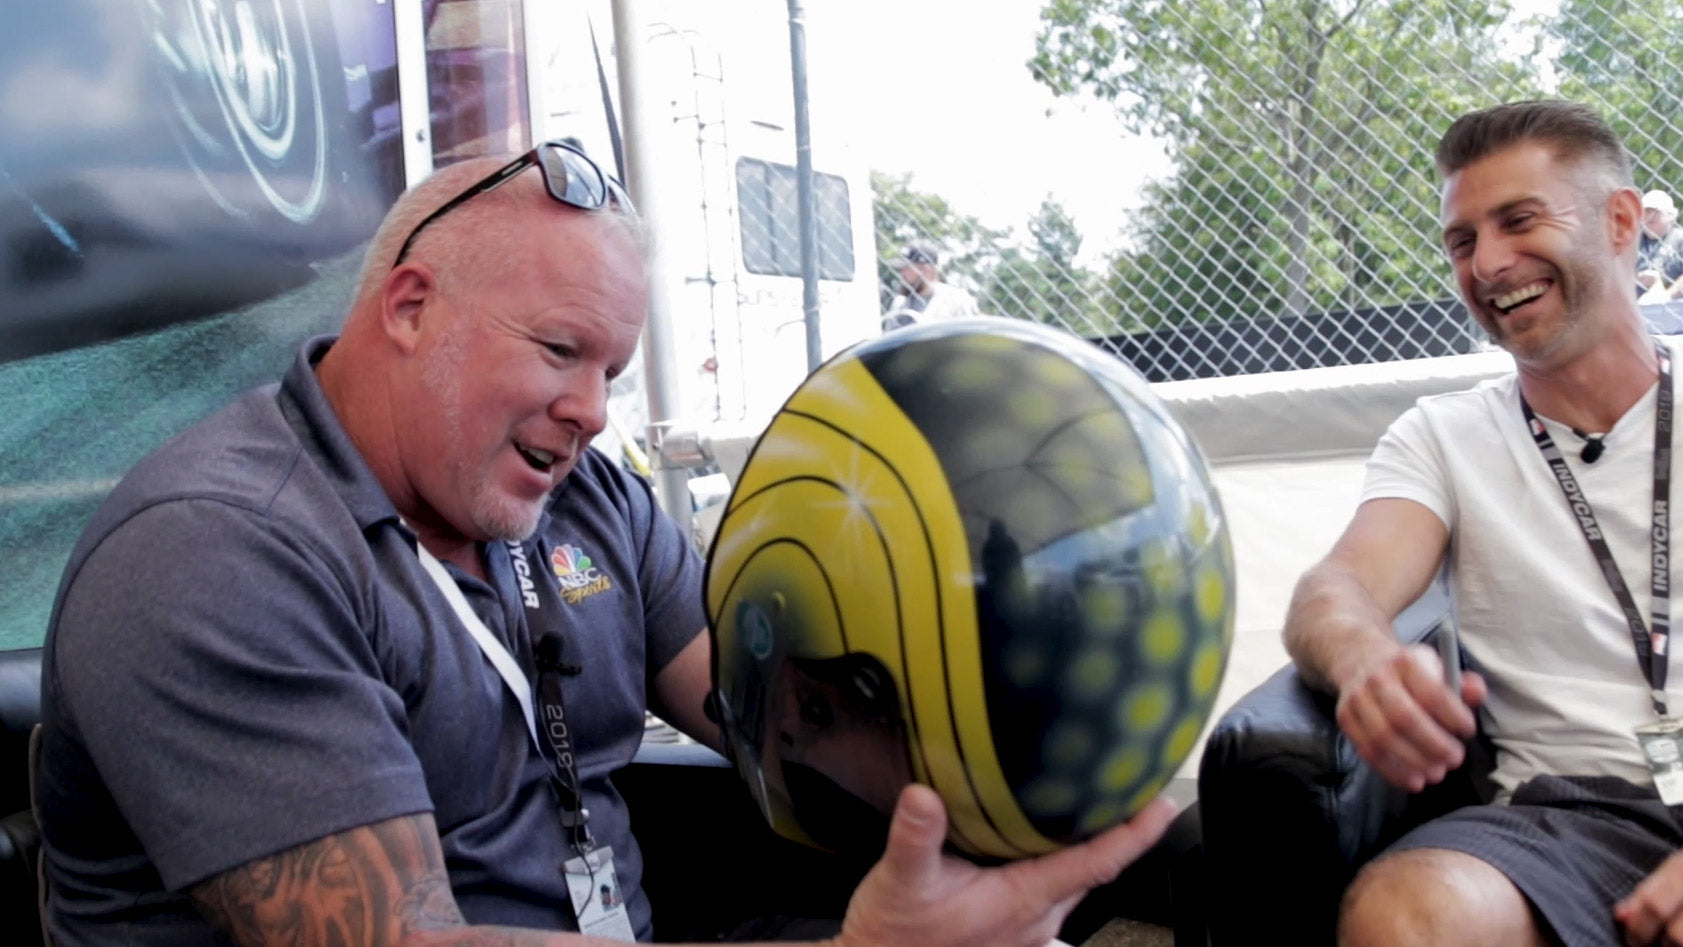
{"x": 499, "y": 517}
{"x": 1531, "y": 348}
{"x": 491, "y": 515}
{"x": 1579, "y": 283}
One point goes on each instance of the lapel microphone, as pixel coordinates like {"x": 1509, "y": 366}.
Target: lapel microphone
{"x": 1592, "y": 446}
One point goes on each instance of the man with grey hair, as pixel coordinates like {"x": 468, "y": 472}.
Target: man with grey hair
{"x": 353, "y": 661}
{"x": 1543, "y": 497}
{"x": 925, "y": 297}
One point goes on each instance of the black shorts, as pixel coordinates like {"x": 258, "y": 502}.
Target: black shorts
{"x": 1574, "y": 846}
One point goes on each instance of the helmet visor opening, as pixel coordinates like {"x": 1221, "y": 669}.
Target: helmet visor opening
{"x": 826, "y": 739}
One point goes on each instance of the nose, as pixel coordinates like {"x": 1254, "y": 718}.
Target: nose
{"x": 584, "y": 405}
{"x": 1492, "y": 255}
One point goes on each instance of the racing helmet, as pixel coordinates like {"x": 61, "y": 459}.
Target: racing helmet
{"x": 980, "y": 555}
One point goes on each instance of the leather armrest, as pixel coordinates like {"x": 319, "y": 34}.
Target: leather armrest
{"x": 20, "y": 841}
{"x": 1278, "y": 750}
{"x": 20, "y": 711}
{"x": 1290, "y": 813}
{"x": 1269, "y": 788}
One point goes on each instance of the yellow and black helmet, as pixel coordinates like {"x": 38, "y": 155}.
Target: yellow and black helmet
{"x": 979, "y": 555}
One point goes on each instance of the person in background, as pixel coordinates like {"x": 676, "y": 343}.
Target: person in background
{"x": 926, "y": 298}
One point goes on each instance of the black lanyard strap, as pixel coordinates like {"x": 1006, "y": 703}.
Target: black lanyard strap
{"x": 1650, "y": 639}
{"x": 547, "y": 646}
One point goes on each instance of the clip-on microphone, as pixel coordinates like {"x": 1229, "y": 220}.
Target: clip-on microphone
{"x": 1592, "y": 446}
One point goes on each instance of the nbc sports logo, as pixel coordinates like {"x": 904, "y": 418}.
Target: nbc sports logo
{"x": 570, "y": 560}
{"x": 578, "y": 576}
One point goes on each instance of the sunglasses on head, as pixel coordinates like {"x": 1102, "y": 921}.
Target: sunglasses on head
{"x": 568, "y": 175}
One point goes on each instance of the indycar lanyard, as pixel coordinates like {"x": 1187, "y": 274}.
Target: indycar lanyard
{"x": 1650, "y": 640}
{"x": 564, "y": 777}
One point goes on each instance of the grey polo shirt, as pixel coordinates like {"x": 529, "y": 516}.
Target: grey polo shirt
{"x": 246, "y": 656}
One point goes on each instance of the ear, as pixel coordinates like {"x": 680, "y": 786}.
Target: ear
{"x": 403, "y": 299}
{"x": 1624, "y": 220}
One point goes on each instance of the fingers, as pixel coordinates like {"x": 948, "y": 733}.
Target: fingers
{"x": 917, "y": 895}
{"x": 1473, "y": 689}
{"x": 1404, "y": 721}
{"x": 1382, "y": 743}
{"x": 1117, "y": 847}
{"x": 915, "y": 836}
{"x": 1655, "y": 908}
{"x": 1422, "y": 673}
{"x": 1066, "y": 875}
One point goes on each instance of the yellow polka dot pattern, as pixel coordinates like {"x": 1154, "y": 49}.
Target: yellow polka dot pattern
{"x": 1104, "y": 571}
{"x": 1098, "y": 581}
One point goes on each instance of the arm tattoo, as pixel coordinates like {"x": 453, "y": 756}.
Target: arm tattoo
{"x": 375, "y": 884}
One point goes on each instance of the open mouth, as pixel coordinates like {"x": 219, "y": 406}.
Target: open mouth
{"x": 540, "y": 460}
{"x": 1509, "y": 301}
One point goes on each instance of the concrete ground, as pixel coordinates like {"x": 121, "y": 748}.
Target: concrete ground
{"x": 1120, "y": 933}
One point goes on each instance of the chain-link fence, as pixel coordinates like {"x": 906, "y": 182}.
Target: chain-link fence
{"x": 1298, "y": 225}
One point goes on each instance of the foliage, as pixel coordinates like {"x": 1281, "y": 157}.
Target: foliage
{"x": 1043, "y": 282}
{"x": 1301, "y": 134}
{"x": 902, "y": 214}
{"x": 1622, "y": 57}
{"x": 1038, "y": 280}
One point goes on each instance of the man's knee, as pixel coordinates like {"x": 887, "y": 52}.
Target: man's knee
{"x": 1434, "y": 896}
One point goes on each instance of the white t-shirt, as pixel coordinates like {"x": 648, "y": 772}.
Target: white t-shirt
{"x": 1533, "y": 608}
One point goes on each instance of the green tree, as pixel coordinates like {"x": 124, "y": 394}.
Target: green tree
{"x": 1043, "y": 282}
{"x": 902, "y": 214}
{"x": 1301, "y": 136}
{"x": 1621, "y": 56}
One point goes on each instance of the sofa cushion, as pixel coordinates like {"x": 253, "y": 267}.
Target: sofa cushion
{"x": 20, "y": 711}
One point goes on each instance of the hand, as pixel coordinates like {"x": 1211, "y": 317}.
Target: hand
{"x": 1653, "y": 914}
{"x": 1403, "y": 720}
{"x": 915, "y": 895}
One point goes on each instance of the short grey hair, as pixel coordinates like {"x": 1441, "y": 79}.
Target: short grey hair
{"x": 450, "y": 240}
{"x": 1574, "y": 130}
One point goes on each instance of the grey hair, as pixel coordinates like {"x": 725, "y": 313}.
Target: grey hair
{"x": 472, "y": 238}
{"x": 1574, "y": 130}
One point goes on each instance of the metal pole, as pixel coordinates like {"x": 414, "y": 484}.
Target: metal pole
{"x": 803, "y": 184}
{"x": 660, "y": 361}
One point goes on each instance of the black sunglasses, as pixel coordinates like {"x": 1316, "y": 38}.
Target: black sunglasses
{"x": 570, "y": 177}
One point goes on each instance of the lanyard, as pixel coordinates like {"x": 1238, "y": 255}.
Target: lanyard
{"x": 565, "y": 777}
{"x": 507, "y": 668}
{"x": 1651, "y": 650}
{"x": 546, "y": 652}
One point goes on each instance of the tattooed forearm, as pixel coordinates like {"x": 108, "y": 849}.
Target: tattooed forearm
{"x": 375, "y": 884}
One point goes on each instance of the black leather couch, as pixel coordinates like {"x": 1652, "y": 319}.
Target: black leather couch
{"x": 711, "y": 864}
{"x": 1290, "y": 812}
{"x": 20, "y": 711}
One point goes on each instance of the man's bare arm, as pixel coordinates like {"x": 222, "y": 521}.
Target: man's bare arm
{"x": 1393, "y": 700}
{"x": 385, "y": 884}
{"x": 1341, "y": 611}
{"x": 377, "y": 884}
{"x": 680, "y": 690}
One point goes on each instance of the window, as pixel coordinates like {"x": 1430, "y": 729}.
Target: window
{"x": 770, "y": 215}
